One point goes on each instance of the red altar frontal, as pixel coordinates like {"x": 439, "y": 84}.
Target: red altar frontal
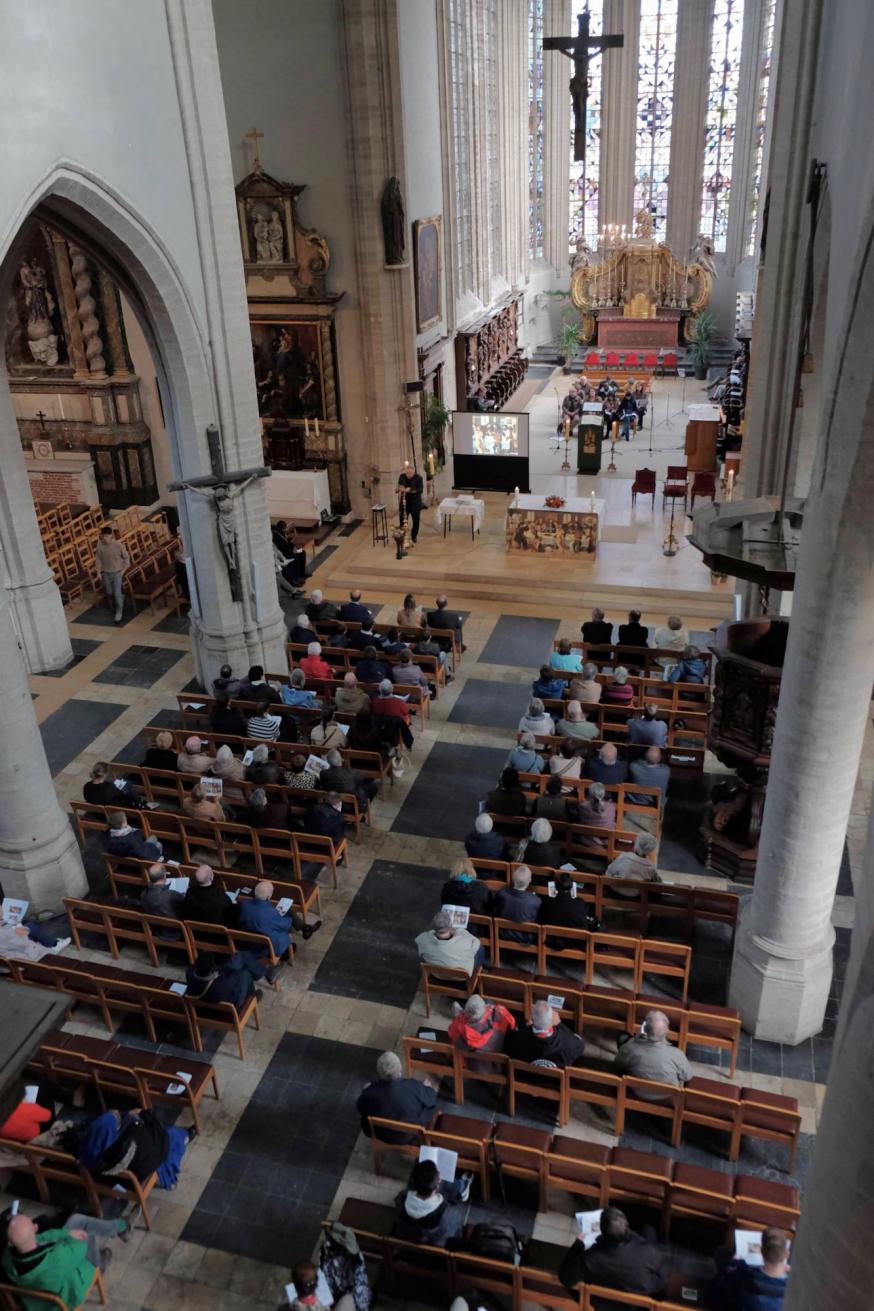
{"x": 614, "y": 328}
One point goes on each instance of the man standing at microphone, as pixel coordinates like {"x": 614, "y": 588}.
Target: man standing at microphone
{"x": 410, "y": 488}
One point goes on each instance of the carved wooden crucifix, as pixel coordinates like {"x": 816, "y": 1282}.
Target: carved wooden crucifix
{"x": 581, "y": 48}
{"x": 256, "y": 156}
{"x": 221, "y": 488}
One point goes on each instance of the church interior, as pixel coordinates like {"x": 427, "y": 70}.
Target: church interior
{"x": 470, "y": 401}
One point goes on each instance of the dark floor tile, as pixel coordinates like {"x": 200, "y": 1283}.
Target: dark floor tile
{"x": 173, "y": 623}
{"x": 320, "y": 557}
{"x": 215, "y": 1197}
{"x": 442, "y": 801}
{"x": 520, "y": 640}
{"x": 82, "y": 647}
{"x": 140, "y": 666}
{"x": 495, "y": 705}
{"x": 230, "y": 1168}
{"x": 822, "y": 1055}
{"x": 203, "y": 1227}
{"x": 373, "y": 954}
{"x": 766, "y": 1058}
{"x": 70, "y": 730}
{"x": 798, "y": 1061}
{"x": 134, "y": 751}
{"x": 349, "y": 528}
{"x": 100, "y": 615}
{"x": 193, "y": 685}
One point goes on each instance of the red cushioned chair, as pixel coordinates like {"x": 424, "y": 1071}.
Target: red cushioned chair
{"x": 645, "y": 482}
{"x": 703, "y": 485}
{"x": 631, "y": 360}
{"x": 592, "y": 360}
{"x": 675, "y": 485}
{"x": 650, "y": 360}
{"x": 670, "y": 362}
{"x": 612, "y": 360}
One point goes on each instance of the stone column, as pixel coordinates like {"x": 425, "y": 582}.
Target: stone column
{"x": 557, "y": 73}
{"x": 369, "y": 37}
{"x": 745, "y": 132}
{"x": 777, "y": 324}
{"x": 39, "y": 855}
{"x": 112, "y": 320}
{"x": 619, "y": 114}
{"x": 694, "y": 32}
{"x": 513, "y": 92}
{"x": 69, "y": 310}
{"x": 85, "y": 308}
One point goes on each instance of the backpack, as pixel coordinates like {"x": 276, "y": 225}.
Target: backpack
{"x": 496, "y": 1241}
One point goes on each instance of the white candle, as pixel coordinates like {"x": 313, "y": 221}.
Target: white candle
{"x": 730, "y": 487}
{"x": 317, "y": 429}
{"x": 592, "y": 502}
{"x": 306, "y": 425}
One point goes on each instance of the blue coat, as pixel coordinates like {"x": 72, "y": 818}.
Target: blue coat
{"x": 741, "y": 1287}
{"x": 488, "y": 846}
{"x": 263, "y": 917}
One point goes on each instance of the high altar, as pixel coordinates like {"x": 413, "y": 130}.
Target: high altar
{"x": 634, "y": 292}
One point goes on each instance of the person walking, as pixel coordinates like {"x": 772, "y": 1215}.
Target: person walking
{"x": 112, "y": 560}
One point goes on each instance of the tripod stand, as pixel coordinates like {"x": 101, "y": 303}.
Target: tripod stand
{"x": 682, "y": 410}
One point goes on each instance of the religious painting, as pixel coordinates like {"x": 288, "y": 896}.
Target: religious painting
{"x": 288, "y": 370}
{"x": 541, "y": 532}
{"x": 426, "y": 255}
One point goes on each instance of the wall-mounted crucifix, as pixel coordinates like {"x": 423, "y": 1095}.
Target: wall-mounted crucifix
{"x": 581, "y": 48}
{"x": 222, "y": 488}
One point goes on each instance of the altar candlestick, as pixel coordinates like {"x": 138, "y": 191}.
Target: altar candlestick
{"x": 729, "y": 490}
{"x": 317, "y": 430}
{"x": 306, "y": 427}
{"x": 431, "y": 463}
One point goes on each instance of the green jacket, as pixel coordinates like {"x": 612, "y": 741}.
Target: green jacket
{"x": 58, "y": 1265}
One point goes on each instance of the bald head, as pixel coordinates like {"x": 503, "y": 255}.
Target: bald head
{"x": 608, "y": 753}
{"x": 204, "y": 875}
{"x": 656, "y": 1024}
{"x": 263, "y": 891}
{"x": 21, "y": 1233}
{"x": 350, "y": 680}
{"x": 653, "y": 756}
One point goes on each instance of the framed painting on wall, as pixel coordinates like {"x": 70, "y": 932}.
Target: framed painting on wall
{"x": 426, "y": 257}
{"x": 288, "y": 369}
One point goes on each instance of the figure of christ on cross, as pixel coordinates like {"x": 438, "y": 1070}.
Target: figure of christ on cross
{"x": 581, "y": 48}
{"x": 222, "y": 488}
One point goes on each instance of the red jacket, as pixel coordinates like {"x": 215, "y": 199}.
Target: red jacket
{"x": 392, "y": 706}
{"x": 315, "y": 667}
{"x": 25, "y": 1122}
{"x": 487, "y": 1034}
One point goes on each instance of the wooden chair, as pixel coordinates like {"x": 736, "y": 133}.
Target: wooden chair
{"x": 13, "y": 1298}
{"x": 703, "y": 485}
{"x": 521, "y": 1152}
{"x": 446, "y": 982}
{"x": 644, "y": 484}
{"x": 575, "y": 1166}
{"x": 675, "y": 486}
{"x": 769, "y": 1116}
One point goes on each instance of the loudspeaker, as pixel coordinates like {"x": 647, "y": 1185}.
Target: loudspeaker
{"x": 418, "y": 385}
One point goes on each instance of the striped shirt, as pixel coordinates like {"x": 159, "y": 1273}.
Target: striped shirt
{"x": 265, "y": 727}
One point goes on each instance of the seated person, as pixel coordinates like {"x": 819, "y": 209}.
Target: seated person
{"x": 629, "y": 415}
{"x": 410, "y": 614}
{"x": 597, "y": 631}
{"x": 606, "y": 766}
{"x": 296, "y": 693}
{"x": 328, "y": 732}
{"x": 370, "y": 669}
{"x": 566, "y": 658}
{"x": 192, "y": 759}
{"x": 224, "y": 719}
{"x": 104, "y": 788}
{"x": 547, "y": 686}
{"x": 318, "y": 608}
{"x": 619, "y": 1258}
{"x": 742, "y": 1287}
{"x": 690, "y": 668}
{"x": 597, "y": 810}
{"x": 635, "y": 864}
{"x": 565, "y": 910}
{"x": 226, "y": 684}
{"x": 261, "y": 813}
{"x": 234, "y": 980}
{"x": 634, "y": 633}
{"x": 619, "y": 692}
{"x": 302, "y": 633}
{"x": 350, "y": 698}
{"x": 651, "y": 773}
{"x": 450, "y": 948}
{"x": 483, "y": 842}
{"x": 406, "y": 673}
{"x": 326, "y": 818}
{"x": 565, "y": 763}
{"x": 427, "y": 644}
{"x": 507, "y": 798}
{"x": 576, "y": 725}
{"x": 29, "y": 942}
{"x": 524, "y": 757}
{"x": 352, "y": 611}
{"x": 545, "y": 1038}
{"x": 361, "y": 638}
{"x": 672, "y": 638}
{"x": 122, "y": 840}
{"x": 134, "y": 1140}
{"x": 586, "y": 688}
{"x": 256, "y": 688}
{"x": 389, "y": 705}
{"x": 263, "y": 770}
{"x": 60, "y": 1261}
{"x": 429, "y": 1211}
{"x": 463, "y": 888}
{"x": 196, "y": 804}
{"x": 649, "y": 1055}
{"x": 367, "y": 732}
{"x": 312, "y": 663}
{"x": 163, "y": 754}
{"x": 647, "y": 729}
{"x": 159, "y": 898}
{"x": 554, "y": 802}
{"x": 392, "y": 1097}
{"x": 342, "y": 778}
{"x": 284, "y": 543}
{"x": 444, "y": 618}
{"x": 480, "y": 1026}
{"x": 540, "y": 848}
{"x": 535, "y": 719}
{"x": 258, "y": 914}
{"x": 263, "y": 725}
{"x": 206, "y": 902}
{"x": 517, "y": 903}
{"x": 299, "y": 776}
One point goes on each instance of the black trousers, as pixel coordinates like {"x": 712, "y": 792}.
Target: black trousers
{"x": 414, "y": 522}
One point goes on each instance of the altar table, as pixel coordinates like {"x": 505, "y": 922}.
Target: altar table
{"x": 534, "y": 527}
{"x": 615, "y": 330}
{"x": 298, "y": 495}
{"x": 472, "y": 509}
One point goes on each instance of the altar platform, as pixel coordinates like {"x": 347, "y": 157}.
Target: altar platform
{"x": 616, "y": 329}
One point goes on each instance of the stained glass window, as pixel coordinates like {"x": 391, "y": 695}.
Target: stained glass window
{"x": 655, "y": 108}
{"x": 492, "y": 139}
{"x": 535, "y": 128}
{"x": 761, "y": 119}
{"x": 584, "y": 177}
{"x": 721, "y": 119}
{"x": 459, "y": 67}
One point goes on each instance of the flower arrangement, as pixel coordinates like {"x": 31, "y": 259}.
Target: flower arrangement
{"x": 554, "y": 502}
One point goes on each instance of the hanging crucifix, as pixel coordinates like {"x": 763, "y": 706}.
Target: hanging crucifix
{"x": 221, "y": 488}
{"x": 581, "y": 48}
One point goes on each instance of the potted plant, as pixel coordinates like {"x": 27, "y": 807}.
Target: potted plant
{"x": 568, "y": 340}
{"x": 701, "y": 347}
{"x": 435, "y": 417}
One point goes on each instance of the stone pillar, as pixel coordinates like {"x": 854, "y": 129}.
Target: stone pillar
{"x": 619, "y": 114}
{"x": 39, "y": 855}
{"x": 557, "y": 73}
{"x": 112, "y": 320}
{"x": 745, "y": 132}
{"x": 69, "y": 310}
{"x": 252, "y": 631}
{"x": 369, "y": 44}
{"x": 778, "y": 304}
{"x": 694, "y": 32}
{"x": 85, "y": 307}
{"x": 782, "y": 962}
{"x": 513, "y": 93}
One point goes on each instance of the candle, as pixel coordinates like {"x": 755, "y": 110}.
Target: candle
{"x": 306, "y": 425}
{"x": 592, "y": 503}
{"x": 515, "y": 495}
{"x": 317, "y": 430}
{"x": 729, "y": 491}
{"x": 431, "y": 463}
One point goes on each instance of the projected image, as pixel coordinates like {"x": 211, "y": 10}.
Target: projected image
{"x": 495, "y": 434}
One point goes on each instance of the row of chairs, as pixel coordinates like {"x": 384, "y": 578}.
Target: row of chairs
{"x": 57, "y": 524}
{"x": 113, "y": 991}
{"x": 345, "y": 659}
{"x": 662, "y": 361}
{"x": 196, "y": 707}
{"x": 583, "y": 949}
{"x": 684, "y": 750}
{"x": 675, "y": 486}
{"x": 128, "y": 876}
{"x": 153, "y": 578}
{"x": 619, "y": 793}
{"x": 680, "y": 698}
{"x": 636, "y": 659}
{"x": 445, "y": 636}
{"x": 501, "y": 384}
{"x": 588, "y": 843}
{"x": 113, "y": 1069}
{"x": 223, "y": 844}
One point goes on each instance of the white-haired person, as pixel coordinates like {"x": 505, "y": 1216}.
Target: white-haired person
{"x": 539, "y": 848}
{"x": 517, "y": 903}
{"x": 670, "y": 637}
{"x": 525, "y": 757}
{"x": 392, "y": 1097}
{"x": 597, "y": 631}
{"x": 635, "y": 865}
{"x": 545, "y": 1038}
{"x": 302, "y": 631}
{"x": 449, "y": 947}
{"x": 585, "y": 687}
{"x": 649, "y": 1055}
{"x": 483, "y": 842}
{"x": 535, "y": 719}
{"x": 318, "y": 609}
{"x": 480, "y": 1026}
{"x": 618, "y": 692}
{"x": 296, "y": 693}
{"x": 312, "y": 663}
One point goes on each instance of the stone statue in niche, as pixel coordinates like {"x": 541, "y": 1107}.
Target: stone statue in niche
{"x": 393, "y": 231}
{"x": 39, "y": 305}
{"x": 262, "y": 246}
{"x": 275, "y": 238}
{"x": 702, "y": 253}
{"x": 269, "y": 237}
